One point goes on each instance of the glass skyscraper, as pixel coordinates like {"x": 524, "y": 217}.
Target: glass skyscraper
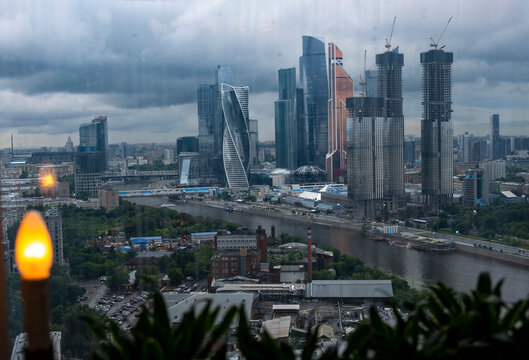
{"x": 313, "y": 79}
{"x": 495, "y": 143}
{"x": 285, "y": 124}
{"x": 236, "y": 137}
{"x": 93, "y": 136}
{"x": 341, "y": 86}
{"x": 206, "y": 118}
{"x": 436, "y": 129}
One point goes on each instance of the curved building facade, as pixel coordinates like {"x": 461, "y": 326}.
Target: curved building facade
{"x": 236, "y": 137}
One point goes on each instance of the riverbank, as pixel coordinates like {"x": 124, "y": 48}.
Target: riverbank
{"x": 409, "y": 237}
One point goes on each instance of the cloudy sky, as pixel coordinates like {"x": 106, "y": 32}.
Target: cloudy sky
{"x": 140, "y": 62}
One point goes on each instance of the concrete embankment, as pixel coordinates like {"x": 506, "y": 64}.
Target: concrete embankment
{"x": 507, "y": 258}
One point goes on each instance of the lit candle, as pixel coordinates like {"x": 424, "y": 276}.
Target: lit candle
{"x": 34, "y": 258}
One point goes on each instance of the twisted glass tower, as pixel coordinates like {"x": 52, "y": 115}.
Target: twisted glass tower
{"x": 236, "y": 136}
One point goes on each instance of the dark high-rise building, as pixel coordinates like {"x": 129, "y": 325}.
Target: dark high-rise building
{"x": 187, "y": 144}
{"x": 236, "y": 138}
{"x": 495, "y": 143}
{"x": 389, "y": 66}
{"x": 206, "y": 118}
{"x": 436, "y": 128}
{"x": 285, "y": 124}
{"x": 300, "y": 150}
{"x": 88, "y": 170}
{"x": 253, "y": 128}
{"x": 93, "y": 136}
{"x": 341, "y": 87}
{"x": 313, "y": 79}
{"x": 371, "y": 83}
{"x": 409, "y": 151}
{"x": 53, "y": 221}
{"x": 475, "y": 188}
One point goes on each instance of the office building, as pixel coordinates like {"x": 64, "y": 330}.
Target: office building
{"x": 436, "y": 128}
{"x": 464, "y": 148}
{"x": 53, "y": 221}
{"x": 371, "y": 83}
{"x": 475, "y": 188}
{"x": 206, "y": 101}
{"x": 495, "y": 143}
{"x": 108, "y": 198}
{"x": 365, "y": 154}
{"x": 285, "y": 120}
{"x": 494, "y": 169}
{"x": 93, "y": 136}
{"x": 189, "y": 165}
{"x": 341, "y": 87}
{"x": 68, "y": 147}
{"x": 313, "y": 80}
{"x": 87, "y": 170}
{"x": 187, "y": 144}
{"x": 389, "y": 66}
{"x": 409, "y": 151}
{"x": 253, "y": 128}
{"x": 236, "y": 137}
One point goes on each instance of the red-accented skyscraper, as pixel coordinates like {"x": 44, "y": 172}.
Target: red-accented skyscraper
{"x": 341, "y": 87}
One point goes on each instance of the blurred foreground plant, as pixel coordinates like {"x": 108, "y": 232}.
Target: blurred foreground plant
{"x": 447, "y": 325}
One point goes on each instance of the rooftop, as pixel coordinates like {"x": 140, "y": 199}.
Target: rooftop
{"x": 349, "y": 289}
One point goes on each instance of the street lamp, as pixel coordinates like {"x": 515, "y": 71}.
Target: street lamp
{"x": 34, "y": 258}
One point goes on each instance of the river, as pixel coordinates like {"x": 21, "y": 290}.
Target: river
{"x": 457, "y": 270}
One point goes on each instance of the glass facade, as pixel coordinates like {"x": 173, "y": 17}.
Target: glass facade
{"x": 341, "y": 86}
{"x": 495, "y": 142}
{"x": 313, "y": 79}
{"x": 285, "y": 116}
{"x": 236, "y": 138}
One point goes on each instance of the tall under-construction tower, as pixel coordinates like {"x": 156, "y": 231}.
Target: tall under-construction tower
{"x": 436, "y": 127}
{"x": 389, "y": 68}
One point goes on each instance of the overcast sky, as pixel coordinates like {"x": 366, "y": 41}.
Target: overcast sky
{"x": 140, "y": 62}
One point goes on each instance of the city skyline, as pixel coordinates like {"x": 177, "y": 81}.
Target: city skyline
{"x": 65, "y": 67}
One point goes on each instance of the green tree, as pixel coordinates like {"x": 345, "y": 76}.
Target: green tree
{"x": 116, "y": 280}
{"x": 176, "y": 275}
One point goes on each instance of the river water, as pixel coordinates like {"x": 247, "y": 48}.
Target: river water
{"x": 457, "y": 270}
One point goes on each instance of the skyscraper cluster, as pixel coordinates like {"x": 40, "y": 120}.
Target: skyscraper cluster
{"x": 360, "y": 140}
{"x": 301, "y": 111}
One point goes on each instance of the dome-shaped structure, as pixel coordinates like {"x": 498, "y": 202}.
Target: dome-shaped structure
{"x": 309, "y": 174}
{"x": 280, "y": 172}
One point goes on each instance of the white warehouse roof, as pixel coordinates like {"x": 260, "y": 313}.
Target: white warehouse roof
{"x": 349, "y": 289}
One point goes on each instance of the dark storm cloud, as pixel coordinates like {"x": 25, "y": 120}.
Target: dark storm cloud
{"x": 62, "y": 62}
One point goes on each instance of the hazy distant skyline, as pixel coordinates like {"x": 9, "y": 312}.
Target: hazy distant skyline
{"x": 140, "y": 62}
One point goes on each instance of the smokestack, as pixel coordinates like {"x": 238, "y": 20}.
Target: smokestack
{"x": 309, "y": 255}
{"x": 262, "y": 244}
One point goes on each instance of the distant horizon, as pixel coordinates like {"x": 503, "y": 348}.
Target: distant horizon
{"x": 140, "y": 63}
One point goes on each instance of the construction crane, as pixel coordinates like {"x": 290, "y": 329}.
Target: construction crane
{"x": 363, "y": 80}
{"x": 434, "y": 43}
{"x": 388, "y": 42}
